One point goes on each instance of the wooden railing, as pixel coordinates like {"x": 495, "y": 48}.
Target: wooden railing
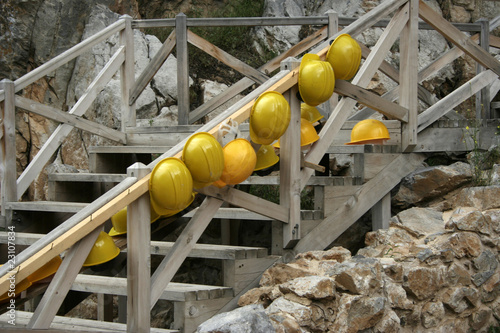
{"x": 79, "y": 232}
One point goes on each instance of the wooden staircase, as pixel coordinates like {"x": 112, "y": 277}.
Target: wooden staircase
{"x": 80, "y": 205}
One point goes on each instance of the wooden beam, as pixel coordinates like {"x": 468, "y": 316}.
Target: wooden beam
{"x": 365, "y": 198}
{"x": 65, "y": 57}
{"x": 127, "y": 74}
{"x": 290, "y": 157}
{"x": 465, "y": 91}
{"x": 62, "y": 281}
{"x": 58, "y": 136}
{"x": 152, "y": 68}
{"x": 183, "y": 245}
{"x": 248, "y": 201}
{"x": 226, "y": 58}
{"x": 408, "y": 88}
{"x": 70, "y": 119}
{"x": 182, "y": 69}
{"x": 8, "y": 187}
{"x": 458, "y": 38}
{"x": 374, "y": 101}
{"x": 138, "y": 257}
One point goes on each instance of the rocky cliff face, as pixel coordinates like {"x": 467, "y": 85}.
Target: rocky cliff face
{"x": 436, "y": 269}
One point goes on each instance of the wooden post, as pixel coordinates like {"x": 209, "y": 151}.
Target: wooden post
{"x": 138, "y": 257}
{"x": 182, "y": 69}
{"x": 408, "y": 79}
{"x": 381, "y": 213}
{"x": 290, "y": 155}
{"x": 8, "y": 175}
{"x": 62, "y": 281}
{"x": 483, "y": 96}
{"x": 333, "y": 28}
{"x": 127, "y": 74}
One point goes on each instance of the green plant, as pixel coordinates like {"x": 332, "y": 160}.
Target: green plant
{"x": 480, "y": 160}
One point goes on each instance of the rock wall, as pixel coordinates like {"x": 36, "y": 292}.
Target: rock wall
{"x": 34, "y": 31}
{"x": 433, "y": 270}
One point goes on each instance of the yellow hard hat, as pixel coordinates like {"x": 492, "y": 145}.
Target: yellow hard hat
{"x": 170, "y": 186}
{"x": 310, "y": 113}
{"x": 104, "y": 250}
{"x": 203, "y": 156}
{"x": 239, "y": 161}
{"x": 266, "y": 157}
{"x": 46, "y": 270}
{"x": 308, "y": 134}
{"x": 119, "y": 222}
{"x": 345, "y": 56}
{"x": 316, "y": 80}
{"x": 369, "y": 131}
{"x": 269, "y": 117}
{"x": 170, "y": 212}
{"x": 219, "y": 183}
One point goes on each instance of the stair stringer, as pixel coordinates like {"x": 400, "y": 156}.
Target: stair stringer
{"x": 358, "y": 204}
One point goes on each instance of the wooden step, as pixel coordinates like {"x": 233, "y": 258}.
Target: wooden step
{"x": 66, "y": 324}
{"x": 46, "y": 206}
{"x": 86, "y": 177}
{"x": 207, "y": 251}
{"x": 180, "y": 292}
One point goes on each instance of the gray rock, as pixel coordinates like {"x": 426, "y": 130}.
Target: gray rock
{"x": 419, "y": 222}
{"x": 248, "y": 319}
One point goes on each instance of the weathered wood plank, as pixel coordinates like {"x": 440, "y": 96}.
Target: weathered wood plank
{"x": 182, "y": 69}
{"x": 70, "y": 119}
{"x": 66, "y": 56}
{"x": 458, "y": 38}
{"x": 226, "y": 58}
{"x": 152, "y": 68}
{"x": 364, "y": 199}
{"x": 139, "y": 257}
{"x": 67, "y": 324}
{"x": 61, "y": 282}
{"x": 408, "y": 88}
{"x": 127, "y": 74}
{"x": 183, "y": 245}
{"x": 371, "y": 100}
{"x": 8, "y": 173}
{"x": 459, "y": 95}
{"x": 57, "y": 137}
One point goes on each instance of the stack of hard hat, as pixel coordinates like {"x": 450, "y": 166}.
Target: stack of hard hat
{"x": 204, "y": 158}
{"x": 170, "y": 186}
{"x": 269, "y": 118}
{"x": 103, "y": 250}
{"x": 369, "y": 131}
{"x": 316, "y": 80}
{"x": 308, "y": 134}
{"x": 344, "y": 54}
{"x": 239, "y": 162}
{"x": 310, "y": 113}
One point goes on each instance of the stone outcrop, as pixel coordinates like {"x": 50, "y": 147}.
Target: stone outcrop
{"x": 436, "y": 268}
